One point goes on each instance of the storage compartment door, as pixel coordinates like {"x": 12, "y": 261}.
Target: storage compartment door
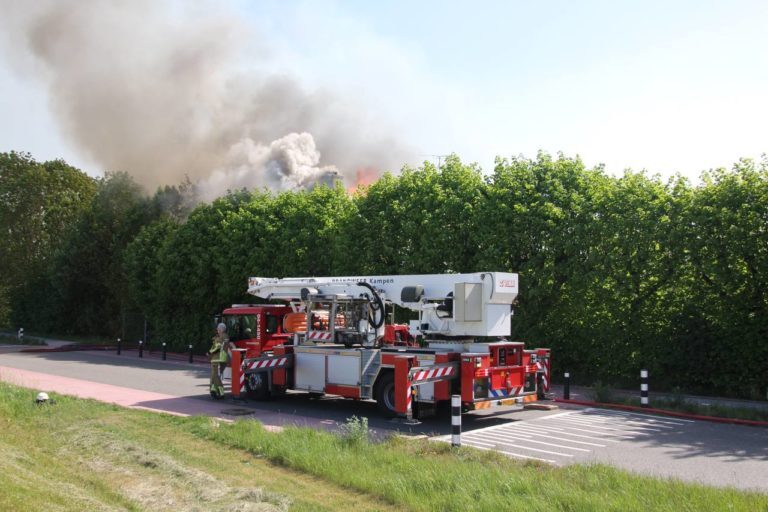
{"x": 344, "y": 369}
{"x": 310, "y": 371}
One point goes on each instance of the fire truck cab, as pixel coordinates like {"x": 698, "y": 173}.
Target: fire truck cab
{"x": 256, "y": 328}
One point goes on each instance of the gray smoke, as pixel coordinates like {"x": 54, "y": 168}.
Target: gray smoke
{"x": 158, "y": 90}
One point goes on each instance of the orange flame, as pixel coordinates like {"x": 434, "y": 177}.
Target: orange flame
{"x": 364, "y": 176}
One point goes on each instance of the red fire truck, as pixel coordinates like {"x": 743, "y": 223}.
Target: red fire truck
{"x": 330, "y": 337}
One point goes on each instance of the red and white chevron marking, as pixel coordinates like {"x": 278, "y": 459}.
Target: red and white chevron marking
{"x": 320, "y": 335}
{"x": 276, "y": 362}
{"x": 408, "y": 403}
{"x": 242, "y": 382}
{"x": 544, "y": 369}
{"x": 503, "y": 393}
{"x": 434, "y": 373}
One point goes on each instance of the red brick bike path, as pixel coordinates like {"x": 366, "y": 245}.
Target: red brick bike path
{"x": 148, "y": 400}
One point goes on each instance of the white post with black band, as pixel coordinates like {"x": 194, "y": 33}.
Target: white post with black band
{"x": 456, "y": 420}
{"x": 644, "y": 388}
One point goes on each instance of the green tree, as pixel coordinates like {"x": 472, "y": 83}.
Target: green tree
{"x": 38, "y": 204}
{"x": 88, "y": 274}
{"x": 721, "y": 332}
{"x": 631, "y": 284}
{"x": 188, "y": 287}
{"x": 422, "y": 221}
{"x": 535, "y": 221}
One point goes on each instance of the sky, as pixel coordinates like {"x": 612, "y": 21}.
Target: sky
{"x": 669, "y": 87}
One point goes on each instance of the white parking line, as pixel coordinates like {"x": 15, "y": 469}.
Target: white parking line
{"x": 547, "y": 436}
{"x": 594, "y": 419}
{"x": 503, "y": 425}
{"x": 563, "y": 432}
{"x": 621, "y": 436}
{"x": 513, "y": 454}
{"x": 634, "y": 428}
{"x": 527, "y": 439}
{"x": 678, "y": 421}
{"x": 528, "y": 448}
{"x": 583, "y": 424}
{"x": 655, "y": 425}
{"x": 618, "y": 424}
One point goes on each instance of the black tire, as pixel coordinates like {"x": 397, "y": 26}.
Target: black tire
{"x": 385, "y": 394}
{"x": 257, "y": 385}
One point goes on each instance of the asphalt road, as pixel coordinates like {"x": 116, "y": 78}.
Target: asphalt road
{"x": 709, "y": 453}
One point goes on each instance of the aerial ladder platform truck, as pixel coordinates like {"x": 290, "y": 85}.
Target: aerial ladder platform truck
{"x": 329, "y": 336}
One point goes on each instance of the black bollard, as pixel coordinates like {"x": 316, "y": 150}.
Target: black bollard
{"x": 567, "y": 387}
{"x": 141, "y": 348}
{"x": 644, "y": 388}
{"x": 190, "y": 353}
{"x": 164, "y": 351}
{"x": 119, "y": 346}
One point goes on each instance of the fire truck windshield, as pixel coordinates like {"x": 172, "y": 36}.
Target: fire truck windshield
{"x": 240, "y": 327}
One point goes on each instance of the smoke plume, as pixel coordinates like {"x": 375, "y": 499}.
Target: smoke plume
{"x": 159, "y": 90}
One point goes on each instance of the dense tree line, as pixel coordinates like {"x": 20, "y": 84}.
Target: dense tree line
{"x": 617, "y": 273}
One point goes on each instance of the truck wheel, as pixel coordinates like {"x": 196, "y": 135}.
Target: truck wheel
{"x": 385, "y": 393}
{"x": 257, "y": 386}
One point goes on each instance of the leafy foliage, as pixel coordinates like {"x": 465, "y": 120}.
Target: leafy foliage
{"x": 617, "y": 273}
{"x": 38, "y": 203}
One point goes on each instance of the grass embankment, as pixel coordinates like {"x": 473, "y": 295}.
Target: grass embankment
{"x": 12, "y": 339}
{"x": 83, "y": 455}
{"x": 680, "y": 403}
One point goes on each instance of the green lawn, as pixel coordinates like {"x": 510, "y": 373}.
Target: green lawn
{"x": 81, "y": 455}
{"x": 84, "y": 455}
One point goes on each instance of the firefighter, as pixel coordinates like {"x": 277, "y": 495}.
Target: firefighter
{"x": 218, "y": 356}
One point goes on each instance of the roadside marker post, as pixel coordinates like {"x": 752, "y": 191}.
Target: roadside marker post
{"x": 164, "y": 352}
{"x": 238, "y": 376}
{"x": 456, "y": 420}
{"x": 141, "y": 348}
{"x": 190, "y": 353}
{"x": 567, "y": 386}
{"x": 119, "y": 347}
{"x": 644, "y": 388}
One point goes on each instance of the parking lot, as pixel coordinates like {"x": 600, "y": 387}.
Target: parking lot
{"x": 694, "y": 451}
{"x": 568, "y": 436}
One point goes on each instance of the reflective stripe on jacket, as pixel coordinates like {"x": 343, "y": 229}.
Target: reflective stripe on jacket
{"x": 218, "y": 355}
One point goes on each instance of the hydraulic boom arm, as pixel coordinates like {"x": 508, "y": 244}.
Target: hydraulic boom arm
{"x": 451, "y": 305}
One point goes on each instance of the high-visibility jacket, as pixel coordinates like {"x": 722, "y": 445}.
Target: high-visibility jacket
{"x": 217, "y": 350}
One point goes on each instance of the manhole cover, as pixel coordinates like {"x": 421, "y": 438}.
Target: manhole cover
{"x": 237, "y": 412}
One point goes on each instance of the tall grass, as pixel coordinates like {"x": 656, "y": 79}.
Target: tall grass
{"x": 78, "y": 455}
{"x": 425, "y": 475}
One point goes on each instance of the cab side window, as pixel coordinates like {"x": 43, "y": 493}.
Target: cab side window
{"x": 272, "y": 324}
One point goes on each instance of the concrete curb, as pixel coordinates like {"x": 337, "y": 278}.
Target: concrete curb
{"x": 154, "y": 353}
{"x": 66, "y": 348}
{"x": 664, "y": 412}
